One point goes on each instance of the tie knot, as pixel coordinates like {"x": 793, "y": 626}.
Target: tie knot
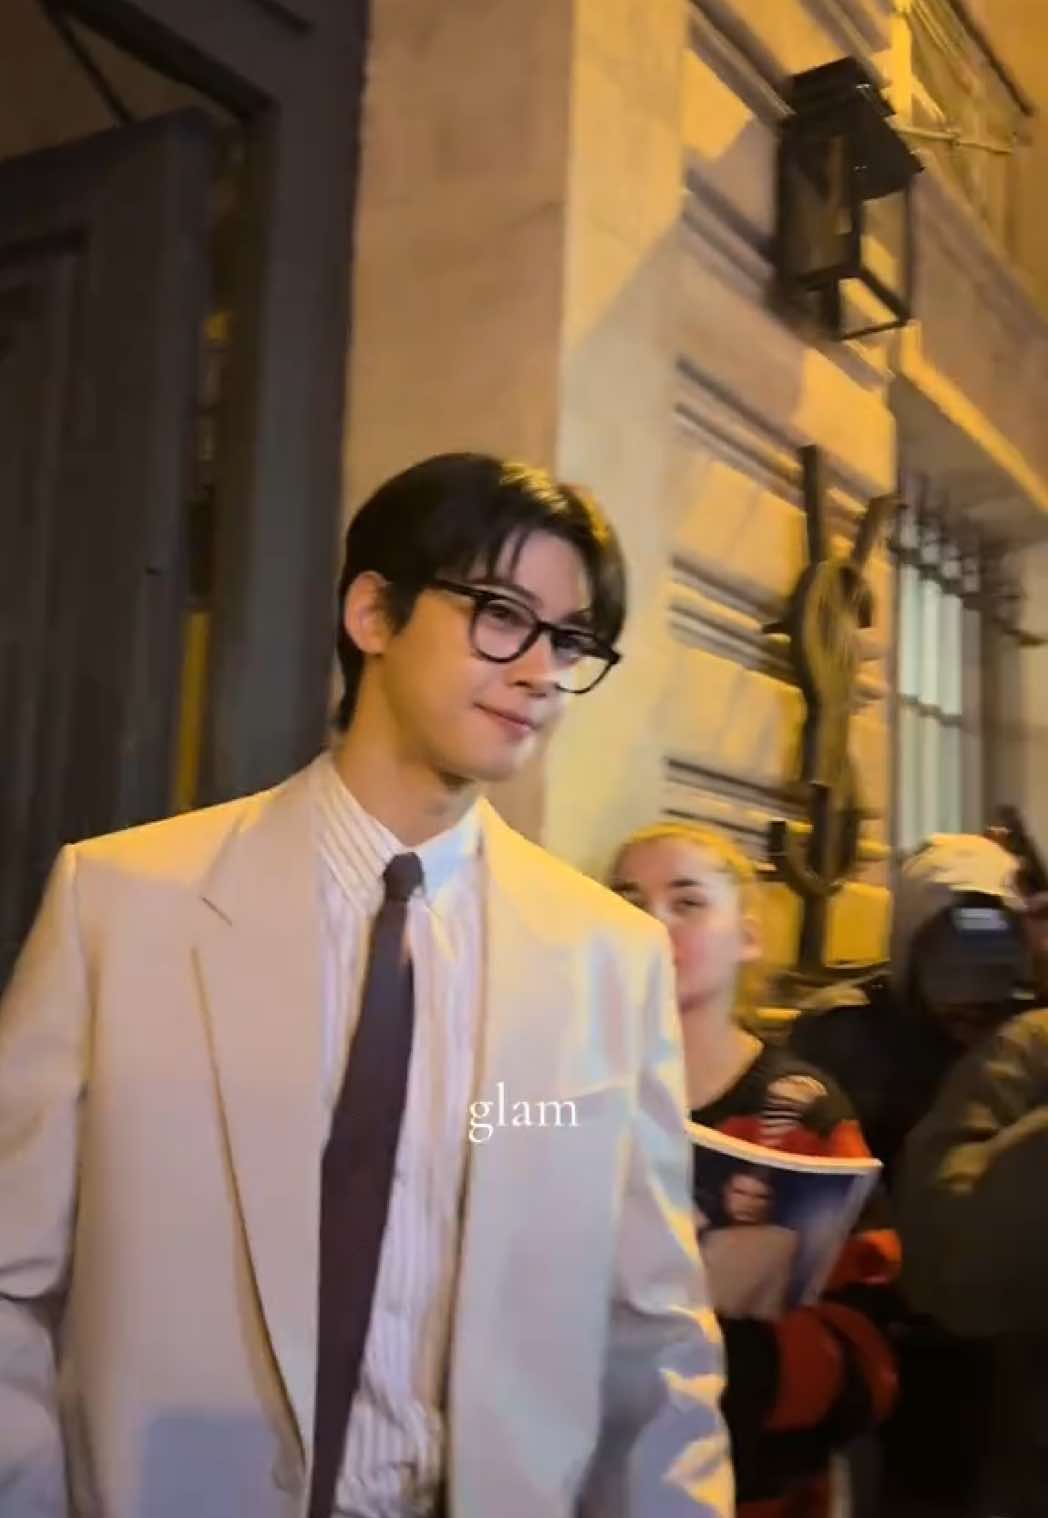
{"x": 403, "y": 876}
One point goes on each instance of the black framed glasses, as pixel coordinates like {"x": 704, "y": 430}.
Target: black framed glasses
{"x": 502, "y": 628}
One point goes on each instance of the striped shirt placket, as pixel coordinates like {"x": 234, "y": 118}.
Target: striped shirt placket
{"x": 394, "y": 1446}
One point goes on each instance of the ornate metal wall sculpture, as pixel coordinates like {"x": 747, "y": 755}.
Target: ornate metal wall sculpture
{"x": 827, "y": 609}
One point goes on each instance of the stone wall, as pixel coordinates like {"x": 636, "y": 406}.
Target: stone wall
{"x": 1019, "y": 32}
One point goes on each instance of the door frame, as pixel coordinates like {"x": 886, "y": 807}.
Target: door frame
{"x": 293, "y": 72}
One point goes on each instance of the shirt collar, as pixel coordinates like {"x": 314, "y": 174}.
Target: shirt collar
{"x": 443, "y": 855}
{"x": 357, "y": 847}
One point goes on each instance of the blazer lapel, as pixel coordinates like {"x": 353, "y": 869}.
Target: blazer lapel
{"x": 259, "y": 954}
{"x": 531, "y": 982}
{"x": 530, "y": 958}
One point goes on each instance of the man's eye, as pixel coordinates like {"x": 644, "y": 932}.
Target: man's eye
{"x": 573, "y": 642}
{"x": 690, "y": 903}
{"x": 507, "y": 614}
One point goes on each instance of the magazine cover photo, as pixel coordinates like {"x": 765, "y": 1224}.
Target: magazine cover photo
{"x": 771, "y": 1225}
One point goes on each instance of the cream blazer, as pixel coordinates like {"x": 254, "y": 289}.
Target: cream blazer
{"x": 161, "y": 1126}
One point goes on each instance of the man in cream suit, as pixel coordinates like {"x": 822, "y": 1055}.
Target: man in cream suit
{"x": 206, "y": 1006}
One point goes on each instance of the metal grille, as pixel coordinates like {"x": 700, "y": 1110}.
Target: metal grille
{"x": 940, "y": 579}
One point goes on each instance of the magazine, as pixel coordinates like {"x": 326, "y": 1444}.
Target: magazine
{"x": 771, "y": 1225}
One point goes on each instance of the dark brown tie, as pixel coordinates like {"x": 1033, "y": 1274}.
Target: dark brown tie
{"x": 357, "y": 1175}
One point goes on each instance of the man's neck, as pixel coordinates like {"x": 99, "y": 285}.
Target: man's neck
{"x": 403, "y": 794}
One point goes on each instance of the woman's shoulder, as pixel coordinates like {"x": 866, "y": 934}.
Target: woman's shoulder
{"x": 797, "y": 1095}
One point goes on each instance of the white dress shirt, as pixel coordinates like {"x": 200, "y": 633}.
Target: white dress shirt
{"x": 395, "y": 1443}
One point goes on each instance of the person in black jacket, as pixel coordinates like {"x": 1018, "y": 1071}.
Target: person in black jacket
{"x": 974, "y": 1212}
{"x": 960, "y": 965}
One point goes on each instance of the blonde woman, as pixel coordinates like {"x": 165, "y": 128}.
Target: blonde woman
{"x": 802, "y": 1386}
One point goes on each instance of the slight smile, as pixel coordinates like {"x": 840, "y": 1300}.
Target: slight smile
{"x": 519, "y": 726}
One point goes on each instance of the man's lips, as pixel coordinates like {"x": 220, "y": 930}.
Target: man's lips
{"x": 514, "y": 721}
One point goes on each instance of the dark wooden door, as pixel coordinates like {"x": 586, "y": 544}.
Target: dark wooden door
{"x": 292, "y": 72}
{"x": 103, "y": 289}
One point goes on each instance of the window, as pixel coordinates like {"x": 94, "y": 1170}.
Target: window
{"x": 938, "y": 686}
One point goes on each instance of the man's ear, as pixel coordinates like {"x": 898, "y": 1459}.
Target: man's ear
{"x": 365, "y": 613}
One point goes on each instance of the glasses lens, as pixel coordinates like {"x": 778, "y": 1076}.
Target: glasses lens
{"x": 501, "y": 628}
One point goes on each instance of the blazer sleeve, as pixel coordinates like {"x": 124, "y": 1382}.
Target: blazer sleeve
{"x": 43, "y": 1057}
{"x": 971, "y": 1198}
{"x": 663, "y": 1450}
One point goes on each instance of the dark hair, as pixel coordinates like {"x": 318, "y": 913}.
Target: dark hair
{"x": 456, "y": 513}
{"x": 762, "y": 1173}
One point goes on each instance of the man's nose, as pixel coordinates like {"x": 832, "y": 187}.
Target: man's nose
{"x": 537, "y": 666}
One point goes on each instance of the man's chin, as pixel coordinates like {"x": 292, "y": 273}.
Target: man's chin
{"x": 498, "y": 771}
{"x": 488, "y": 769}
